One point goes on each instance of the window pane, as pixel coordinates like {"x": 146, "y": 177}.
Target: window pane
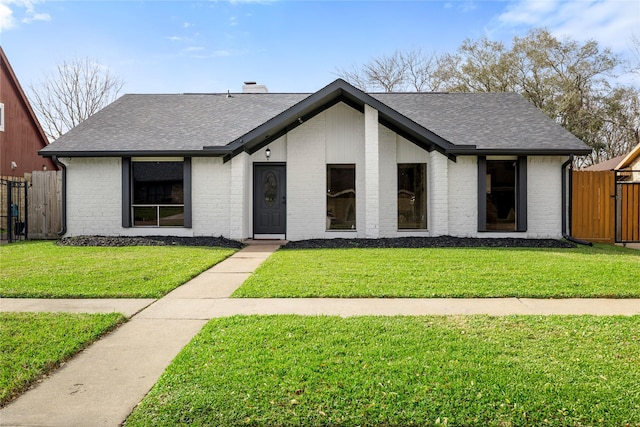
{"x": 158, "y": 183}
{"x": 171, "y": 216}
{"x": 501, "y": 195}
{"x": 145, "y": 216}
{"x": 341, "y": 197}
{"x": 412, "y": 196}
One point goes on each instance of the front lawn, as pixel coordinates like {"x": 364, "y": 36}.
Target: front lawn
{"x": 599, "y": 271}
{"x": 45, "y": 270}
{"x": 403, "y": 371}
{"x": 32, "y": 344}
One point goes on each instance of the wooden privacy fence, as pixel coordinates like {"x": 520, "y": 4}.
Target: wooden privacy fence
{"x": 593, "y": 205}
{"x": 604, "y": 207}
{"x": 45, "y": 204}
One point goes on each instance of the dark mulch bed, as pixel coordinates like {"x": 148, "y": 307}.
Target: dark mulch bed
{"x": 399, "y": 242}
{"x": 429, "y": 242}
{"x": 219, "y": 242}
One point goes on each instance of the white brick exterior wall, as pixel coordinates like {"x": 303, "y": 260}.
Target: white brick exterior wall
{"x": 544, "y": 196}
{"x": 371, "y": 173}
{"x": 438, "y": 194}
{"x": 388, "y": 190}
{"x": 306, "y": 180}
{"x": 94, "y": 196}
{"x": 211, "y": 195}
{"x": 239, "y": 203}
{"x": 463, "y": 196}
{"x": 222, "y": 192}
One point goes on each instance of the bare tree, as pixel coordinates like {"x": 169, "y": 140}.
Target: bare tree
{"x": 75, "y": 91}
{"x": 411, "y": 70}
{"x": 420, "y": 68}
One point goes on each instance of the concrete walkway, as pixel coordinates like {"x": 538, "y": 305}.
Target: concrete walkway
{"x": 103, "y": 383}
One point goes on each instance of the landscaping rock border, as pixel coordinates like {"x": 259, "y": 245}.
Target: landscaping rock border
{"x": 429, "y": 242}
{"x": 398, "y": 242}
{"x": 150, "y": 241}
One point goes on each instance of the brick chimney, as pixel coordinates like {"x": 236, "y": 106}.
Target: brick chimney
{"x": 253, "y": 87}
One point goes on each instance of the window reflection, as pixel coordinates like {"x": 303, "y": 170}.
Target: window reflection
{"x": 341, "y": 197}
{"x": 412, "y": 196}
{"x": 158, "y": 194}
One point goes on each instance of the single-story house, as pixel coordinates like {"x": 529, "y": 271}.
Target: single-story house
{"x": 335, "y": 163}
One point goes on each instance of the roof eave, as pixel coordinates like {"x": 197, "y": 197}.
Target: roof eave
{"x": 629, "y": 158}
{"x": 220, "y": 152}
{"x": 516, "y": 152}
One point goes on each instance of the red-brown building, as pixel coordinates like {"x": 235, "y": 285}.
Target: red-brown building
{"x": 21, "y": 135}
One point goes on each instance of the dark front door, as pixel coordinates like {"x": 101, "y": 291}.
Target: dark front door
{"x": 269, "y": 198}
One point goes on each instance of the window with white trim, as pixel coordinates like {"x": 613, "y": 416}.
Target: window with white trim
{"x": 1, "y": 117}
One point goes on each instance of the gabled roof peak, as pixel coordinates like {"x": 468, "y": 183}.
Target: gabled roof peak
{"x": 214, "y": 125}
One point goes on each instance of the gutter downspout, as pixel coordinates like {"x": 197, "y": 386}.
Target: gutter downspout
{"x": 63, "y": 167}
{"x": 565, "y": 234}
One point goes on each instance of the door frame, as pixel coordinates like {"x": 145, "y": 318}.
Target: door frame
{"x": 254, "y": 209}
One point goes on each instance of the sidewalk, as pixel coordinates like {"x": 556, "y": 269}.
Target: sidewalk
{"x": 102, "y": 384}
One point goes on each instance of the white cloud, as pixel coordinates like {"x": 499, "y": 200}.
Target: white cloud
{"x": 6, "y": 17}
{"x": 610, "y": 22}
{"x": 195, "y": 48}
{"x": 462, "y": 6}
{"x": 36, "y": 17}
{"x": 27, "y": 10}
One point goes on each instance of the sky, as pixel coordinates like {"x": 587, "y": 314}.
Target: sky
{"x": 289, "y": 46}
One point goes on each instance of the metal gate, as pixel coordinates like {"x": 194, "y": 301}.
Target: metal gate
{"x": 627, "y": 206}
{"x": 14, "y": 218}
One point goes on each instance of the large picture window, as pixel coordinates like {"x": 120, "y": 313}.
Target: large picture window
{"x": 341, "y": 197}
{"x": 158, "y": 193}
{"x": 412, "y": 196}
{"x": 502, "y": 194}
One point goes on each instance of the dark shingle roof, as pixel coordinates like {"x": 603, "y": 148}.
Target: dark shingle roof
{"x": 456, "y": 123}
{"x": 490, "y": 121}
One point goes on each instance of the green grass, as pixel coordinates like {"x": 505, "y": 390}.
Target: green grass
{"x": 600, "y": 271}
{"x": 32, "y": 344}
{"x": 45, "y": 270}
{"x": 403, "y": 371}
